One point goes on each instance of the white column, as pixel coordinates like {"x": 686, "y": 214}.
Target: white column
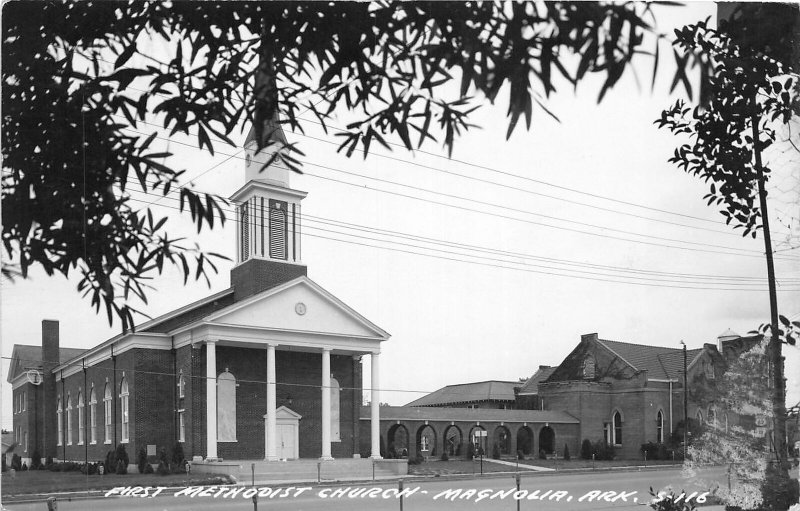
{"x": 211, "y": 400}
{"x": 326, "y": 404}
{"x": 375, "y": 401}
{"x": 272, "y": 429}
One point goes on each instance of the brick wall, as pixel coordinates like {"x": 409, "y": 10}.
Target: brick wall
{"x": 153, "y": 402}
{"x": 298, "y": 377}
{"x": 256, "y": 275}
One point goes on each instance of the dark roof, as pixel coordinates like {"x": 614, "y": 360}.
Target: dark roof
{"x": 26, "y": 357}
{"x": 659, "y": 362}
{"x": 468, "y": 414}
{"x": 531, "y": 386}
{"x": 192, "y": 312}
{"x": 492, "y": 390}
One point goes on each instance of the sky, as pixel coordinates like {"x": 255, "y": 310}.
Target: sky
{"x": 569, "y": 191}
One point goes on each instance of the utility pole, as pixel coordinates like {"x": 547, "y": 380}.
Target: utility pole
{"x": 685, "y": 402}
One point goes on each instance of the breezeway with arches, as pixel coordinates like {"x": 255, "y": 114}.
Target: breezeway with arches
{"x": 432, "y": 431}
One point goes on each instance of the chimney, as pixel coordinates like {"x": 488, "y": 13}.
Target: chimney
{"x": 589, "y": 337}
{"x": 50, "y": 359}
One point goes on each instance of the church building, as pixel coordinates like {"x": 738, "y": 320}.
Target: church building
{"x": 269, "y": 368}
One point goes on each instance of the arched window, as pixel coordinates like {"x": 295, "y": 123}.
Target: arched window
{"x": 226, "y": 407}
{"x": 124, "y": 405}
{"x": 108, "y": 413}
{"x": 278, "y": 229}
{"x": 660, "y": 427}
{"x": 81, "y": 429}
{"x": 588, "y": 367}
{"x": 93, "y": 416}
{"x": 181, "y": 386}
{"x": 712, "y": 417}
{"x": 69, "y": 419}
{"x": 617, "y": 421}
{"x": 335, "y": 432}
{"x": 59, "y": 414}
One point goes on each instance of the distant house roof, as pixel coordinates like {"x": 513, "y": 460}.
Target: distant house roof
{"x": 492, "y": 390}
{"x": 658, "y": 361}
{"x": 469, "y": 414}
{"x": 26, "y": 357}
{"x": 531, "y": 386}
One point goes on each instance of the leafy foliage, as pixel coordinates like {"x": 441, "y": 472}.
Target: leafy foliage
{"x": 79, "y": 90}
{"x": 744, "y": 394}
{"x": 747, "y": 90}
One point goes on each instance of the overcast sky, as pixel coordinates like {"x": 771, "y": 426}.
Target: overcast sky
{"x": 564, "y": 193}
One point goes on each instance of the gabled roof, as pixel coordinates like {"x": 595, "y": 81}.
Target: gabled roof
{"x": 492, "y": 390}
{"x": 658, "y": 361}
{"x": 189, "y": 313}
{"x": 468, "y": 414}
{"x": 531, "y": 386}
{"x": 26, "y": 357}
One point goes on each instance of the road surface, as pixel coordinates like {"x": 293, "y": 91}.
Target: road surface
{"x": 561, "y": 491}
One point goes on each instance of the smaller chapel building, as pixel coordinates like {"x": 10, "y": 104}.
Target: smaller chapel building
{"x": 269, "y": 368}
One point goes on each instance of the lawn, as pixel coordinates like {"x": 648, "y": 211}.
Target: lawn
{"x": 562, "y": 464}
{"x": 38, "y": 482}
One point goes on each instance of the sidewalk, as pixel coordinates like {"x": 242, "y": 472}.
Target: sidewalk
{"x": 523, "y": 466}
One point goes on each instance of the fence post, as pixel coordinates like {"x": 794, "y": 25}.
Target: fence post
{"x": 255, "y": 502}
{"x": 319, "y": 472}
{"x": 593, "y": 461}
{"x": 400, "y": 492}
{"x": 373, "y": 469}
{"x": 253, "y": 473}
{"x": 645, "y": 459}
{"x": 52, "y": 505}
{"x": 516, "y": 476}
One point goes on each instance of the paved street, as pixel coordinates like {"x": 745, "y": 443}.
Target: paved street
{"x": 577, "y": 491}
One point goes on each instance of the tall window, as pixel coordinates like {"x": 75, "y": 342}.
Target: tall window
{"x": 93, "y": 416}
{"x": 81, "y": 430}
{"x": 123, "y": 400}
{"x": 69, "y": 419}
{"x": 181, "y": 426}
{"x": 588, "y": 368}
{"x": 277, "y": 229}
{"x": 244, "y": 232}
{"x": 335, "y": 430}
{"x": 181, "y": 386}
{"x": 26, "y": 441}
{"x": 226, "y": 407}
{"x": 59, "y": 414}
{"x": 712, "y": 417}
{"x": 660, "y": 427}
{"x": 108, "y": 414}
{"x": 617, "y": 428}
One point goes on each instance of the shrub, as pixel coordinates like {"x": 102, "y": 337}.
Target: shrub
{"x": 520, "y": 454}
{"x": 587, "y": 449}
{"x": 603, "y": 451}
{"x": 179, "y": 460}
{"x": 111, "y": 462}
{"x": 470, "y": 451}
{"x": 566, "y": 452}
{"x": 24, "y": 467}
{"x": 445, "y": 457}
{"x": 5, "y": 467}
{"x": 122, "y": 467}
{"x": 542, "y": 454}
{"x": 496, "y": 451}
{"x": 163, "y": 462}
{"x": 49, "y": 461}
{"x": 142, "y": 460}
{"x": 382, "y": 448}
{"x": 148, "y": 468}
{"x": 16, "y": 462}
{"x": 122, "y": 455}
{"x": 36, "y": 460}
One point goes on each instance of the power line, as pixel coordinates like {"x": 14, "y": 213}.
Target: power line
{"x": 328, "y": 222}
{"x": 505, "y": 207}
{"x": 632, "y": 281}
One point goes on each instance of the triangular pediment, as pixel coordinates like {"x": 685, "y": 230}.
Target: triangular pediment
{"x": 300, "y": 305}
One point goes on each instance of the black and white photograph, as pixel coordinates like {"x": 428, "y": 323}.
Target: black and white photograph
{"x": 400, "y": 255}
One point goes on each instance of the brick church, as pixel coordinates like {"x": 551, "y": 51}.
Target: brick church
{"x": 269, "y": 368}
